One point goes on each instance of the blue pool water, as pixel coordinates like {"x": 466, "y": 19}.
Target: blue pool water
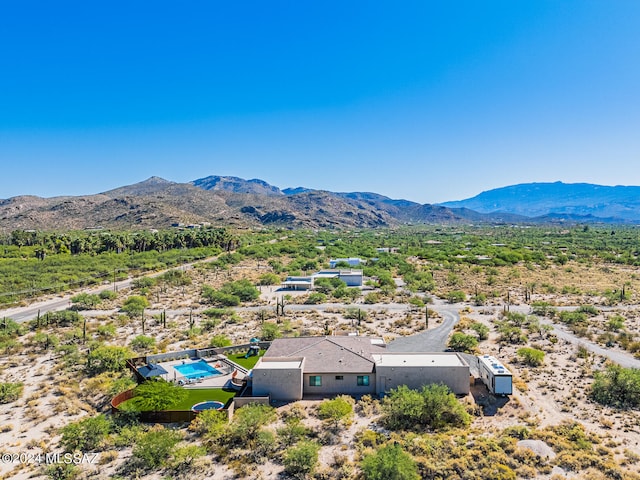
{"x": 211, "y": 404}
{"x": 197, "y": 369}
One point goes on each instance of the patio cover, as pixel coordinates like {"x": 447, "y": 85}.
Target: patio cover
{"x": 152, "y": 370}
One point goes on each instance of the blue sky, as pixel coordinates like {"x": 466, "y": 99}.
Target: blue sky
{"x": 429, "y": 101}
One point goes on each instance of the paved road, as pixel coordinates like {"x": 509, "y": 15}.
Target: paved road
{"x": 23, "y": 314}
{"x": 621, "y": 358}
{"x": 432, "y": 340}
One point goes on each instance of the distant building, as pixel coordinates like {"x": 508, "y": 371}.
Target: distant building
{"x": 293, "y": 368}
{"x": 353, "y": 278}
{"x": 352, "y": 261}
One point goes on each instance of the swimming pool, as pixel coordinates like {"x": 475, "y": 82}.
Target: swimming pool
{"x": 208, "y": 405}
{"x": 197, "y": 369}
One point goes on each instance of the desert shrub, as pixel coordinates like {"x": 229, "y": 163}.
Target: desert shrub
{"x": 62, "y": 471}
{"x": 617, "y": 387}
{"x": 615, "y": 323}
{"x": 247, "y": 422}
{"x": 479, "y": 299}
{"x": 354, "y": 313}
{"x": 300, "y": 461}
{"x": 155, "y": 447}
{"x": 531, "y": 356}
{"x": 573, "y": 318}
{"x": 106, "y": 358}
{"x": 107, "y": 331}
{"x": 481, "y": 329}
{"x": 142, "y": 342}
{"x": 590, "y": 310}
{"x": 86, "y": 435}
{"x": 292, "y": 432}
{"x": 217, "y": 313}
{"x": 456, "y": 296}
{"x": 269, "y": 279}
{"x": 389, "y": 462}
{"x": 64, "y": 318}
{"x": 338, "y": 410}
{"x": 372, "y": 298}
{"x": 185, "y": 456}
{"x": 107, "y": 295}
{"x": 243, "y": 289}
{"x": 270, "y": 331}
{"x": 511, "y": 334}
{"x": 433, "y": 406}
{"x": 211, "y": 424}
{"x": 134, "y": 305}
{"x": 144, "y": 282}
{"x": 315, "y": 298}
{"x": 220, "y": 298}
{"x": 10, "y": 392}
{"x": 85, "y": 301}
{"x": 542, "y": 308}
{"x": 220, "y": 341}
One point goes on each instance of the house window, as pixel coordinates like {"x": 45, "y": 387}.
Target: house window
{"x": 315, "y": 381}
{"x": 363, "y": 380}
{"x": 339, "y": 377}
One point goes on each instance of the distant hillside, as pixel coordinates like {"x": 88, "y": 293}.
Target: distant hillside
{"x": 569, "y": 201}
{"x": 236, "y": 185}
{"x": 231, "y": 201}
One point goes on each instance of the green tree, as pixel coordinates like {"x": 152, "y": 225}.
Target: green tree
{"x": 220, "y": 298}
{"x": 155, "y": 447}
{"x": 156, "y": 395}
{"x": 456, "y": 296}
{"x": 617, "y": 387}
{"x": 269, "y": 279}
{"x": 107, "y": 295}
{"x": 134, "y": 305}
{"x": 270, "y": 331}
{"x": 248, "y": 421}
{"x": 389, "y": 463}
{"x": 433, "y": 406}
{"x": 300, "y": 461}
{"x": 210, "y": 423}
{"x": 461, "y": 342}
{"x": 531, "y": 356}
{"x": 85, "y": 301}
{"x": 337, "y": 410}
{"x": 481, "y": 329}
{"x": 106, "y": 358}
{"x": 315, "y": 298}
{"x": 243, "y": 289}
{"x": 292, "y": 432}
{"x": 86, "y": 435}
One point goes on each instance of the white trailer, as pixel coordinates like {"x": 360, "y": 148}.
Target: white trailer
{"x": 495, "y": 376}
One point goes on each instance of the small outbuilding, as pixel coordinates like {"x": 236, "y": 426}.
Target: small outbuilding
{"x": 495, "y": 375}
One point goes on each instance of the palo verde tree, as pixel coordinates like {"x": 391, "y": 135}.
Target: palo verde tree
{"x": 156, "y": 395}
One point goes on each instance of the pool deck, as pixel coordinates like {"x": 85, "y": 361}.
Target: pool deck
{"x": 215, "y": 381}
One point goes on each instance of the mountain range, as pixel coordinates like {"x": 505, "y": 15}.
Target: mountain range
{"x": 224, "y": 200}
{"x": 619, "y": 204}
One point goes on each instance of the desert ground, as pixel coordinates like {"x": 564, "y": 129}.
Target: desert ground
{"x": 547, "y": 395}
